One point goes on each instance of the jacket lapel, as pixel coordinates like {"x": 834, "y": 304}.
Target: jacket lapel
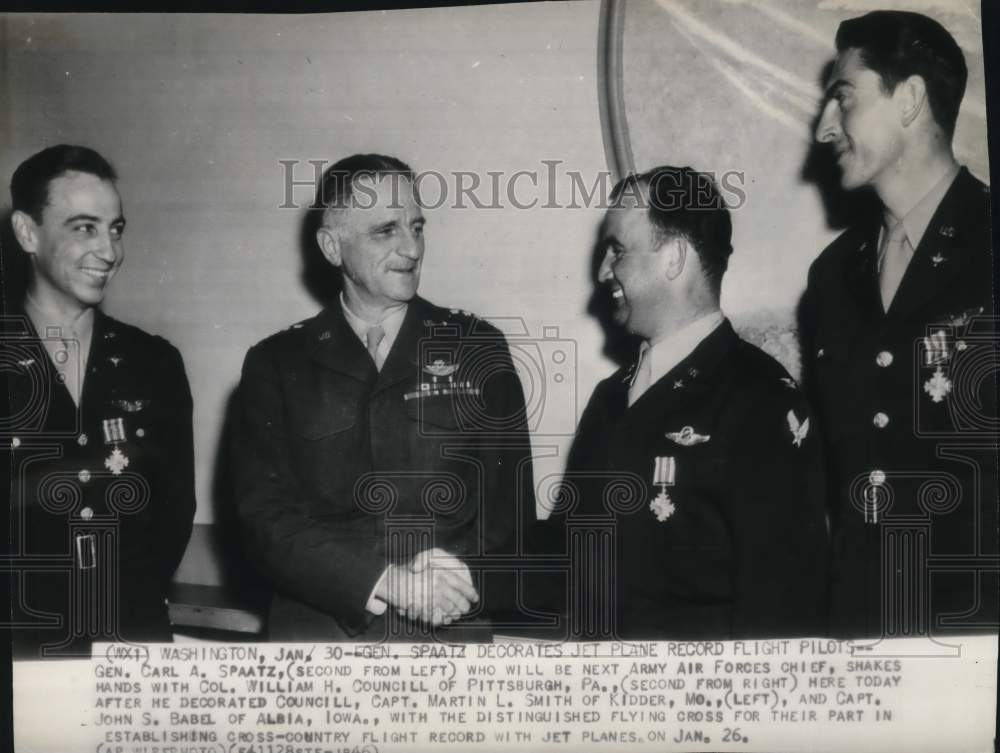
{"x": 690, "y": 378}
{"x": 335, "y": 346}
{"x": 401, "y": 364}
{"x": 939, "y": 257}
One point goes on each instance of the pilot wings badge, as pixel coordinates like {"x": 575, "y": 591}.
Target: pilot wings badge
{"x": 687, "y": 437}
{"x": 799, "y": 430}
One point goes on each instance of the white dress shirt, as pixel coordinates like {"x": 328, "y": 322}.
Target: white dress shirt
{"x": 656, "y": 359}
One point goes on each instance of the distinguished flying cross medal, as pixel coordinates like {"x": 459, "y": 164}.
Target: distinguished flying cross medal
{"x": 938, "y": 386}
{"x": 936, "y": 353}
{"x": 664, "y": 472}
{"x": 114, "y": 432}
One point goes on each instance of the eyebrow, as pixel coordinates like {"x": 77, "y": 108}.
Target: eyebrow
{"x": 91, "y": 218}
{"x": 839, "y": 83}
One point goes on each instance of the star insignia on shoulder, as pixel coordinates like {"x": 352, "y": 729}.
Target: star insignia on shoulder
{"x": 938, "y": 386}
{"x": 799, "y": 429}
{"x": 116, "y": 462}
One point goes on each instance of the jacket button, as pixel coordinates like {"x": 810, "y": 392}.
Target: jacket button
{"x": 82, "y": 440}
{"x": 15, "y": 442}
{"x": 880, "y": 420}
{"x": 140, "y": 432}
{"x": 87, "y": 513}
{"x": 876, "y": 478}
{"x": 884, "y": 359}
{"x": 84, "y": 476}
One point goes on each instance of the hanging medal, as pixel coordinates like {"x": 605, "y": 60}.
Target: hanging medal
{"x": 114, "y": 434}
{"x": 664, "y": 472}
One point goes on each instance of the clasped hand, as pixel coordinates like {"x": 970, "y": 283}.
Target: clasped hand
{"x": 434, "y": 587}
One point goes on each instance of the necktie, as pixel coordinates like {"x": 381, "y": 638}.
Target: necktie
{"x": 643, "y": 372}
{"x": 894, "y": 257}
{"x": 374, "y": 337}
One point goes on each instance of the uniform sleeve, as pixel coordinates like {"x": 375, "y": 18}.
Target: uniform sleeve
{"x": 778, "y": 520}
{"x": 175, "y": 516}
{"x": 508, "y": 508}
{"x": 308, "y": 558}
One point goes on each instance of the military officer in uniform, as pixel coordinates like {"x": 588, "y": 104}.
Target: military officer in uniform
{"x": 102, "y": 489}
{"x": 701, "y": 455}
{"x": 382, "y": 443}
{"x": 898, "y": 342}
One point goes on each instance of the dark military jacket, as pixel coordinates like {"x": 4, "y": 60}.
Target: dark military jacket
{"x": 102, "y": 496}
{"x": 341, "y": 470}
{"x": 907, "y": 400}
{"x": 733, "y": 542}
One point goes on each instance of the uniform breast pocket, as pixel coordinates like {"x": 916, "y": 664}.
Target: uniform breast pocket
{"x": 434, "y": 415}
{"x": 326, "y": 453}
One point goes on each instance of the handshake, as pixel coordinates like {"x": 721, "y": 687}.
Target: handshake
{"x": 435, "y": 587}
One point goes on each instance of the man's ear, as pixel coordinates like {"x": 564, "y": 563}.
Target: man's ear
{"x": 329, "y": 243}
{"x": 911, "y": 98}
{"x": 675, "y": 251}
{"x": 25, "y": 230}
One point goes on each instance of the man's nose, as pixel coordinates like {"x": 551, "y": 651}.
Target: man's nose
{"x": 412, "y": 245}
{"x": 828, "y": 127}
{"x": 604, "y": 272}
{"x": 105, "y": 248}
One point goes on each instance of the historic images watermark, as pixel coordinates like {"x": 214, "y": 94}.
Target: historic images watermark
{"x": 546, "y": 186}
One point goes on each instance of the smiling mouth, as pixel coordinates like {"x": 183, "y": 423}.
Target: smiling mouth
{"x": 98, "y": 275}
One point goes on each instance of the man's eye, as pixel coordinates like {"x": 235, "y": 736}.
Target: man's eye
{"x": 418, "y": 230}
{"x": 117, "y": 232}
{"x": 386, "y": 231}
{"x": 86, "y": 228}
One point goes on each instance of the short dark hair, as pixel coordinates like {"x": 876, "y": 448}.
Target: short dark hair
{"x": 686, "y": 203}
{"x": 336, "y": 187}
{"x": 898, "y": 44}
{"x": 29, "y": 186}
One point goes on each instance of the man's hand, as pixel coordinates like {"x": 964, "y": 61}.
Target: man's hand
{"x": 434, "y": 587}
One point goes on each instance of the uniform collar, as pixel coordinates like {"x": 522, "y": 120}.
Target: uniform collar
{"x": 667, "y": 352}
{"x": 919, "y": 216}
{"x": 390, "y": 323}
{"x": 693, "y": 375}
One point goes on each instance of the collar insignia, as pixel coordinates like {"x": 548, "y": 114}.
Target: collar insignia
{"x": 25, "y": 363}
{"x": 938, "y": 258}
{"x": 947, "y": 231}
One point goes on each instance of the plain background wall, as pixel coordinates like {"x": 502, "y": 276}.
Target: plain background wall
{"x": 197, "y": 112}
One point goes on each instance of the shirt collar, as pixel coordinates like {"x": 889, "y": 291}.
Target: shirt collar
{"x": 48, "y": 325}
{"x": 916, "y": 220}
{"x": 666, "y": 353}
{"x": 390, "y": 323}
